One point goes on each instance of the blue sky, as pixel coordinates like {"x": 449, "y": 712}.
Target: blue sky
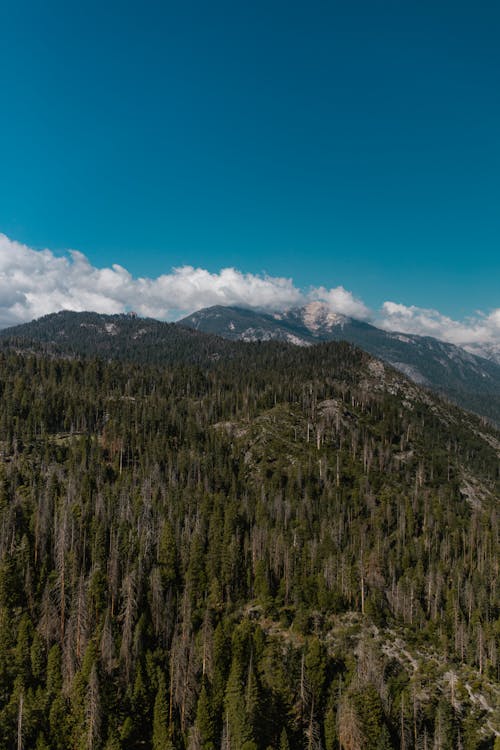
{"x": 353, "y": 144}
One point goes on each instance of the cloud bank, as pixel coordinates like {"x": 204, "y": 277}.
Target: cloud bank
{"x": 37, "y": 282}
{"x": 481, "y": 330}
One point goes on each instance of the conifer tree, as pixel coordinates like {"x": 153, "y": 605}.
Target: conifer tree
{"x": 284, "y": 744}
{"x": 204, "y": 719}
{"x": 238, "y": 725}
{"x": 161, "y": 734}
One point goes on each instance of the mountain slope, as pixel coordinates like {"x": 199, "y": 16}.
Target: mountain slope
{"x": 489, "y": 351}
{"x": 239, "y": 324}
{"x": 124, "y": 337}
{"x": 296, "y": 547}
{"x": 471, "y": 381}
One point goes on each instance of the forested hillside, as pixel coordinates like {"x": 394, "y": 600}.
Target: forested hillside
{"x": 469, "y": 381}
{"x": 285, "y": 548}
{"x": 124, "y": 337}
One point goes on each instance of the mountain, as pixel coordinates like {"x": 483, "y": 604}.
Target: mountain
{"x": 471, "y": 381}
{"x": 488, "y": 351}
{"x": 125, "y": 336}
{"x": 281, "y": 547}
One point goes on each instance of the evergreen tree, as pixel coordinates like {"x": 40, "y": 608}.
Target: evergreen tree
{"x": 204, "y": 719}
{"x": 161, "y": 734}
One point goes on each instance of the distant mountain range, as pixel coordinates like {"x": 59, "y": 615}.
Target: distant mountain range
{"x": 471, "y": 381}
{"x": 213, "y": 333}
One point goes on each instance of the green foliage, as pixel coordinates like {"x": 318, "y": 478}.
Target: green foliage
{"x": 239, "y": 729}
{"x": 315, "y": 663}
{"x": 204, "y": 719}
{"x": 370, "y": 710}
{"x": 178, "y": 544}
{"x": 330, "y": 729}
{"x": 161, "y": 734}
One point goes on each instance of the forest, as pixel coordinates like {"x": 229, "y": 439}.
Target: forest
{"x": 274, "y": 548}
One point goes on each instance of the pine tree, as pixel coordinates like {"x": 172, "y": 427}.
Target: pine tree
{"x": 284, "y": 744}
{"x": 161, "y": 735}
{"x": 238, "y": 726}
{"x": 315, "y": 668}
{"x": 444, "y": 729}
{"x": 330, "y": 729}
{"x": 204, "y": 719}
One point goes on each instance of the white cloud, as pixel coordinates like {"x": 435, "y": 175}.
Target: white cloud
{"x": 37, "y": 282}
{"x": 481, "y": 329}
{"x": 340, "y": 300}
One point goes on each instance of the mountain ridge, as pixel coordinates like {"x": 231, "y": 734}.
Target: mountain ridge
{"x": 219, "y": 332}
{"x": 467, "y": 379}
